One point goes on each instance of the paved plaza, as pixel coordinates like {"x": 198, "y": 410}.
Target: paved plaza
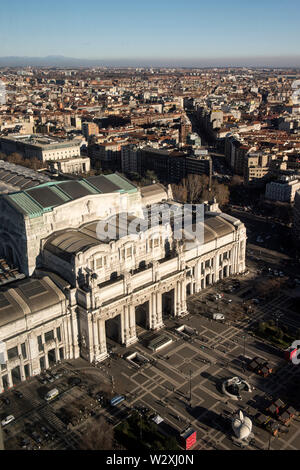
{"x": 181, "y": 383}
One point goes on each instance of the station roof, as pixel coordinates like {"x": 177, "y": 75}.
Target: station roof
{"x": 16, "y": 177}
{"x": 27, "y": 297}
{"x": 64, "y": 244}
{"x": 43, "y": 198}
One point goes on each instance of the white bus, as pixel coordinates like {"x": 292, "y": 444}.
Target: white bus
{"x": 52, "y": 394}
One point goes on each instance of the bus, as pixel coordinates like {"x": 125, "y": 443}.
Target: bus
{"x": 116, "y": 400}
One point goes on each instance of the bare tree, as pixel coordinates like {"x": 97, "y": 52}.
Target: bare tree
{"x": 195, "y": 185}
{"x": 99, "y": 436}
{"x": 196, "y": 188}
{"x": 236, "y": 180}
{"x": 180, "y": 192}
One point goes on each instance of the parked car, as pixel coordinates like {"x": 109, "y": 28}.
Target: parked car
{"x": 24, "y": 442}
{"x": 45, "y": 432}
{"x": 74, "y": 381}
{"x": 57, "y": 375}
{"x": 6, "y": 400}
{"x": 43, "y": 380}
{"x": 7, "y": 420}
{"x": 49, "y": 377}
{"x": 36, "y": 437}
{"x": 18, "y": 394}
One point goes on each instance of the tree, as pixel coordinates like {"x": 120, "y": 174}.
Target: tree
{"x": 150, "y": 175}
{"x": 236, "y": 180}
{"x": 180, "y": 192}
{"x": 220, "y": 192}
{"x": 197, "y": 189}
{"x": 99, "y": 436}
{"x": 195, "y": 185}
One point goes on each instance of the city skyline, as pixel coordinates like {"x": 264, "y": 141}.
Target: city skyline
{"x": 188, "y": 34}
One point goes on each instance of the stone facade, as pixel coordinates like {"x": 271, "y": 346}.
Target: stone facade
{"x": 111, "y": 288}
{"x": 38, "y": 325}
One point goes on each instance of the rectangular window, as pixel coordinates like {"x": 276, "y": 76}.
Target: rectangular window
{"x": 129, "y": 253}
{"x": 23, "y": 349}
{"x": 5, "y": 382}
{"x": 12, "y": 353}
{"x": 101, "y": 262}
{"x": 27, "y": 371}
{"x": 42, "y": 363}
{"x": 61, "y": 353}
{"x": 49, "y": 336}
{"x": 58, "y": 334}
{"x": 40, "y": 343}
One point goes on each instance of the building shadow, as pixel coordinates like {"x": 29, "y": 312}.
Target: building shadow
{"x": 210, "y": 418}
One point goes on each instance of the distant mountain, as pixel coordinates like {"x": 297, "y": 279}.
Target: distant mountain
{"x": 61, "y": 61}
{"x": 49, "y": 61}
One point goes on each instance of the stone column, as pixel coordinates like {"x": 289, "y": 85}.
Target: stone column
{"x": 197, "y": 277}
{"x": 132, "y": 324}
{"x": 192, "y": 287}
{"x": 177, "y": 299}
{"x": 90, "y": 337}
{"x": 153, "y": 309}
{"x": 57, "y": 356}
{"x": 22, "y": 371}
{"x": 151, "y": 322}
{"x": 46, "y": 357}
{"x": 183, "y": 307}
{"x": 74, "y": 333}
{"x": 101, "y": 333}
{"x": 10, "y": 381}
{"x": 125, "y": 322}
{"x": 65, "y": 337}
{"x": 1, "y": 385}
{"x": 158, "y": 318}
{"x": 95, "y": 338}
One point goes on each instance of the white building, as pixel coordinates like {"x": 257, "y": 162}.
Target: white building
{"x": 105, "y": 286}
{"x": 42, "y": 147}
{"x": 283, "y": 190}
{"x": 75, "y": 165}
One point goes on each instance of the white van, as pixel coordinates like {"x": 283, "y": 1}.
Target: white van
{"x": 218, "y": 316}
{"x": 7, "y": 420}
{"x": 52, "y": 394}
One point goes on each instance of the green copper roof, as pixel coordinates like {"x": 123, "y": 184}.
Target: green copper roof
{"x": 26, "y": 204}
{"x": 34, "y": 202}
{"x": 123, "y": 183}
{"x": 61, "y": 193}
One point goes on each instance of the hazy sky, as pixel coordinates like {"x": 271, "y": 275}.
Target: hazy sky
{"x": 160, "y": 29}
